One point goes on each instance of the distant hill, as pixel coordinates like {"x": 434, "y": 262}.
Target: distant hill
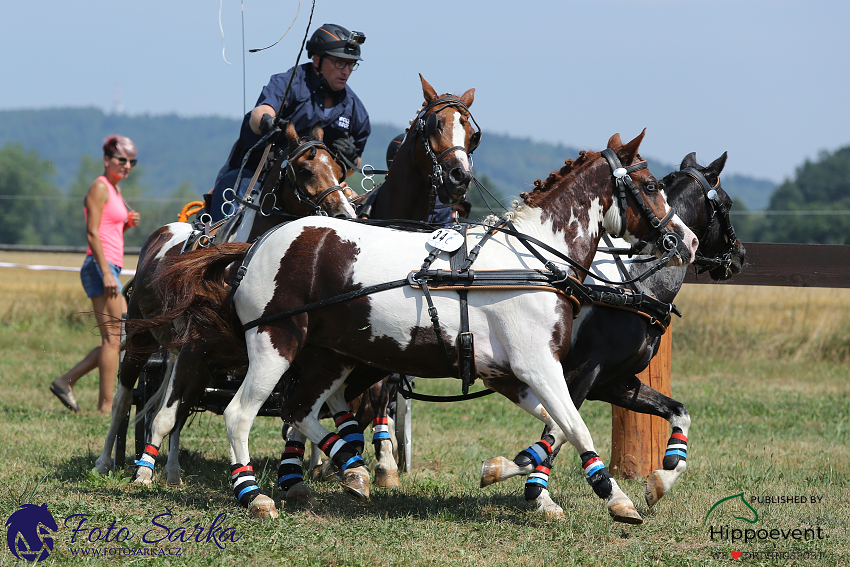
{"x": 175, "y": 150}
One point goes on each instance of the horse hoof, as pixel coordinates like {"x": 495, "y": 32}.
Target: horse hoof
{"x": 177, "y": 483}
{"x": 143, "y": 476}
{"x": 625, "y": 513}
{"x": 355, "y": 482}
{"x": 654, "y": 490}
{"x": 386, "y": 479}
{"x": 102, "y": 466}
{"x": 300, "y": 495}
{"x": 315, "y": 473}
{"x": 491, "y": 470}
{"x": 262, "y": 507}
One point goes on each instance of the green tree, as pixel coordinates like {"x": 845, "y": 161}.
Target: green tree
{"x": 811, "y": 208}
{"x": 28, "y": 194}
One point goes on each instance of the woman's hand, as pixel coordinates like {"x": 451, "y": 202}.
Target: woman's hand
{"x": 110, "y": 285}
{"x": 132, "y": 219}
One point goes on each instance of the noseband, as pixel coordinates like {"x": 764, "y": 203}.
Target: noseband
{"x": 716, "y": 209}
{"x": 667, "y": 240}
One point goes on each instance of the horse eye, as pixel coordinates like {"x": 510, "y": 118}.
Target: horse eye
{"x": 651, "y": 187}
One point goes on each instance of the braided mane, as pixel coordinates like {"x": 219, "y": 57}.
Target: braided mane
{"x": 541, "y": 188}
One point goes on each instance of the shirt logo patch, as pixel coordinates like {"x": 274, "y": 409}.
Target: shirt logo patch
{"x": 344, "y": 123}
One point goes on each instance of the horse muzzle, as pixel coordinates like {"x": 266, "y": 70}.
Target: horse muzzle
{"x": 455, "y": 185}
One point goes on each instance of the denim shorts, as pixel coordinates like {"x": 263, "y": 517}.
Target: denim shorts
{"x": 92, "y": 277}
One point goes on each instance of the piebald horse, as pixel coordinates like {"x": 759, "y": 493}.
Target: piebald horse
{"x": 303, "y": 181}
{"x": 609, "y": 345}
{"x": 316, "y": 283}
{"x": 432, "y": 163}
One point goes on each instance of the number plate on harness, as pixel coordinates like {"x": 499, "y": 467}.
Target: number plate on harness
{"x": 445, "y": 239}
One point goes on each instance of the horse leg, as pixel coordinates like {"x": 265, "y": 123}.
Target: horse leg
{"x": 290, "y": 475}
{"x": 636, "y": 396}
{"x": 372, "y": 407}
{"x": 345, "y": 454}
{"x": 548, "y": 398}
{"x": 386, "y": 468}
{"x": 128, "y": 374}
{"x": 162, "y": 424}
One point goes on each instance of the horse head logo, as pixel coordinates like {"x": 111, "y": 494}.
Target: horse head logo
{"x": 740, "y": 496}
{"x": 28, "y": 532}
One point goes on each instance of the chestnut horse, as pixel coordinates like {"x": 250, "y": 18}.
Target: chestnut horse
{"x": 439, "y": 140}
{"x": 303, "y": 181}
{"x": 339, "y": 288}
{"x": 609, "y": 346}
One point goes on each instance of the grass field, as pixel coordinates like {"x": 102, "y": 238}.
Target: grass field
{"x": 763, "y": 372}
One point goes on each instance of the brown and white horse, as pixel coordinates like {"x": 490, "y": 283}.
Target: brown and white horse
{"x": 302, "y": 268}
{"x": 439, "y": 140}
{"x": 303, "y": 181}
{"x": 610, "y": 345}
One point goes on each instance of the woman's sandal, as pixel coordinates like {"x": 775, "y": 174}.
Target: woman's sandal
{"x": 67, "y": 397}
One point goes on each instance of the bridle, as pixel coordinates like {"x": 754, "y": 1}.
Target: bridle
{"x": 289, "y": 170}
{"x": 716, "y": 209}
{"x": 665, "y": 240}
{"x": 426, "y": 124}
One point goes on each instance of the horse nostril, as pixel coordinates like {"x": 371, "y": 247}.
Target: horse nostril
{"x": 458, "y": 175}
{"x": 342, "y": 216}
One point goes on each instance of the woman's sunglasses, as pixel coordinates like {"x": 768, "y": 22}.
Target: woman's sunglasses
{"x": 123, "y": 161}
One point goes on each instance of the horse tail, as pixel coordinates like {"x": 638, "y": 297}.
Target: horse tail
{"x": 194, "y": 292}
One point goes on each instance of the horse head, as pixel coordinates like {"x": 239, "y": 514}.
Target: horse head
{"x": 641, "y": 214}
{"x": 449, "y": 135}
{"x": 306, "y": 180}
{"x": 704, "y": 205}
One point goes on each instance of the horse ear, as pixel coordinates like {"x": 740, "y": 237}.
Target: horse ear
{"x": 427, "y": 90}
{"x": 614, "y": 142}
{"x": 689, "y": 161}
{"x": 630, "y": 150}
{"x": 317, "y": 133}
{"x": 292, "y": 136}
{"x": 717, "y": 165}
{"x": 468, "y": 97}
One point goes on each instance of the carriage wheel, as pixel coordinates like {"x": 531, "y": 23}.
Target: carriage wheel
{"x": 403, "y": 432}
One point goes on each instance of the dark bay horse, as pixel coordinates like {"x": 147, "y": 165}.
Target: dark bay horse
{"x": 305, "y": 182}
{"x": 609, "y": 346}
{"x": 285, "y": 304}
{"x": 440, "y": 138}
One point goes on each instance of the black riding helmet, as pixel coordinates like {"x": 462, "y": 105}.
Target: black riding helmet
{"x": 335, "y": 40}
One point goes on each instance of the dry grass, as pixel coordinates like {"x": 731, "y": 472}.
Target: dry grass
{"x": 762, "y": 371}
{"x": 27, "y": 294}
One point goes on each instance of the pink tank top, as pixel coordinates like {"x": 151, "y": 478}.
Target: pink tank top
{"x": 111, "y": 229}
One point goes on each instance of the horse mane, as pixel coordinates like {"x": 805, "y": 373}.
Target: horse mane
{"x": 541, "y": 188}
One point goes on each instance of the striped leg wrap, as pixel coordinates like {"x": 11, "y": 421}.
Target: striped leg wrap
{"x": 537, "y": 453}
{"x": 343, "y": 454}
{"x": 148, "y": 456}
{"x": 536, "y": 482}
{"x": 349, "y": 429}
{"x": 677, "y": 450}
{"x": 290, "y": 472}
{"x": 380, "y": 429}
{"x": 244, "y": 484}
{"x": 598, "y": 476}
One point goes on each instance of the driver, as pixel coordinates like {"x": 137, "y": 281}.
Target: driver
{"x": 319, "y": 94}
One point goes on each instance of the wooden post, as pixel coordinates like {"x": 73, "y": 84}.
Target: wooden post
{"x": 638, "y": 441}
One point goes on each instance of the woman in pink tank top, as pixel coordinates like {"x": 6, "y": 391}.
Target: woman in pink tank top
{"x": 107, "y": 217}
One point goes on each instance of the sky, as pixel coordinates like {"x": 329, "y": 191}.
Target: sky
{"x": 766, "y": 81}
